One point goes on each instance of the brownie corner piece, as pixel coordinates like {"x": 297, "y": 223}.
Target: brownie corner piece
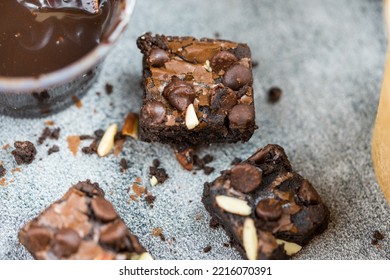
{"x": 196, "y": 91}
{"x": 267, "y": 209}
{"x": 82, "y": 225}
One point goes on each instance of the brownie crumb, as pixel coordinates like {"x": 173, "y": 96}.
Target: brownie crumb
{"x": 377, "y": 236}
{"x": 226, "y": 245}
{"x": 2, "y": 171}
{"x": 54, "y": 149}
{"x": 274, "y": 94}
{"x": 124, "y": 165}
{"x": 217, "y": 35}
{"x": 109, "y": 88}
{"x": 255, "y": 64}
{"x": 149, "y": 198}
{"x": 49, "y": 133}
{"x": 86, "y": 137}
{"x": 208, "y": 170}
{"x": 24, "y": 152}
{"x": 207, "y": 249}
{"x": 160, "y": 173}
{"x": 213, "y": 223}
{"x": 77, "y": 102}
{"x": 236, "y": 161}
{"x": 158, "y": 232}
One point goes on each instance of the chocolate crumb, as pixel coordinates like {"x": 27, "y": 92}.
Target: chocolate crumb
{"x": 99, "y": 133}
{"x": 109, "y": 88}
{"x": 255, "y": 64}
{"x": 213, "y": 223}
{"x": 54, "y": 149}
{"x": 217, "y": 34}
{"x": 77, "y": 102}
{"x": 2, "y": 171}
{"x": 160, "y": 173}
{"x": 207, "y": 249}
{"x": 86, "y": 137}
{"x": 124, "y": 165}
{"x": 24, "y": 152}
{"x": 48, "y": 133}
{"x": 274, "y": 94}
{"x": 158, "y": 232}
{"x": 377, "y": 236}
{"x": 208, "y": 170}
{"x": 236, "y": 161}
{"x": 98, "y": 93}
{"x": 149, "y": 198}
{"x": 227, "y": 245}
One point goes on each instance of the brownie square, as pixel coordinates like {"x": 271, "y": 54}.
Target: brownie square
{"x": 196, "y": 91}
{"x": 267, "y": 209}
{"x": 82, "y": 225}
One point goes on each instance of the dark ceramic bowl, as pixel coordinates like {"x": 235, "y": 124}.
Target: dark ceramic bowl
{"x": 51, "y": 92}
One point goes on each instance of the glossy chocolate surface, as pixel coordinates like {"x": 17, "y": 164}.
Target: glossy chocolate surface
{"x": 37, "y": 38}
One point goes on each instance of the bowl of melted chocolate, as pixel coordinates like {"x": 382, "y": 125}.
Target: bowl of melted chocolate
{"x": 51, "y": 51}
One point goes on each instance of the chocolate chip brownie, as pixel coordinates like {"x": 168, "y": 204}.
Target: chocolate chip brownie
{"x": 81, "y": 225}
{"x": 267, "y": 209}
{"x": 196, "y": 91}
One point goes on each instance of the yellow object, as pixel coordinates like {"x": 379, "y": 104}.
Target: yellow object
{"x": 381, "y": 136}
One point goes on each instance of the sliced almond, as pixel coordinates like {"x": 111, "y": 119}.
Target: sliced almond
{"x": 191, "y": 117}
{"x": 153, "y": 181}
{"x": 130, "y": 126}
{"x": 233, "y": 205}
{"x": 107, "y": 143}
{"x": 250, "y": 239}
{"x": 290, "y": 247}
{"x": 207, "y": 66}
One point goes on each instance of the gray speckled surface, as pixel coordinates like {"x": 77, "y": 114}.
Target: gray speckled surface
{"x": 326, "y": 55}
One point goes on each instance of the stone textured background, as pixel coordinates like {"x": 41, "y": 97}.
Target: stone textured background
{"x": 327, "y": 56}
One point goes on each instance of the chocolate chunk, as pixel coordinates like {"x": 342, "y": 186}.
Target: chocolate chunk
{"x": 37, "y": 239}
{"x": 208, "y": 170}
{"x": 114, "y": 234}
{"x": 153, "y": 113}
{"x": 269, "y": 209}
{"x": 48, "y": 133}
{"x": 24, "y": 152}
{"x": 67, "y": 242}
{"x": 237, "y": 76}
{"x": 245, "y": 177}
{"x": 160, "y": 174}
{"x": 224, "y": 100}
{"x": 222, "y": 61}
{"x": 3, "y": 171}
{"x": 54, "y": 149}
{"x": 179, "y": 94}
{"x": 157, "y": 57}
{"x": 274, "y": 94}
{"x": 307, "y": 194}
{"x": 149, "y": 198}
{"x": 103, "y": 209}
{"x": 241, "y": 116}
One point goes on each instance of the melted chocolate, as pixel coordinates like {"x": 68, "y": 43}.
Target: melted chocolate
{"x": 37, "y": 38}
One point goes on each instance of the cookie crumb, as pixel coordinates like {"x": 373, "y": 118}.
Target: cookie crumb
{"x": 73, "y": 143}
{"x": 274, "y": 94}
{"x": 124, "y": 165}
{"x": 213, "y": 223}
{"x": 109, "y": 88}
{"x": 149, "y": 198}
{"x": 24, "y": 152}
{"x": 77, "y": 102}
{"x": 207, "y": 249}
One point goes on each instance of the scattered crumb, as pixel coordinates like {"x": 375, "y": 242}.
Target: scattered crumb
{"x": 98, "y": 93}
{"x": 160, "y": 173}
{"x": 255, "y": 64}
{"x": 377, "y": 236}
{"x": 185, "y": 156}
{"x": 274, "y": 94}
{"x": 118, "y": 147}
{"x": 54, "y": 149}
{"x": 149, "y": 198}
{"x": 207, "y": 249}
{"x": 3, "y": 171}
{"x": 77, "y": 101}
{"x": 24, "y": 152}
{"x": 17, "y": 169}
{"x": 157, "y": 232}
{"x": 49, "y": 133}
{"x": 236, "y": 161}
{"x": 73, "y": 143}
{"x": 6, "y": 146}
{"x": 208, "y": 170}
{"x": 138, "y": 190}
{"x": 217, "y": 34}
{"x": 213, "y": 223}
{"x": 227, "y": 245}
{"x": 124, "y": 165}
{"x": 3, "y": 182}
{"x": 138, "y": 180}
{"x": 199, "y": 217}
{"x": 109, "y": 88}
{"x": 49, "y": 123}
{"x": 133, "y": 197}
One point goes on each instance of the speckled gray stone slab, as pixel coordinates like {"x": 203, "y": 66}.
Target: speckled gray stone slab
{"x": 328, "y": 58}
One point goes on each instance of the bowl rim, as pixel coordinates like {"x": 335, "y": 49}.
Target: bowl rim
{"x": 20, "y": 85}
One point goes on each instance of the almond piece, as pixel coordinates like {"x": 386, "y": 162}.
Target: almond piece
{"x": 130, "y": 126}
{"x": 290, "y": 247}
{"x": 153, "y": 181}
{"x": 233, "y": 205}
{"x": 191, "y": 117}
{"x": 250, "y": 240}
{"x": 107, "y": 143}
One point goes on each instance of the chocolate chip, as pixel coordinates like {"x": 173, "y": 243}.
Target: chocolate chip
{"x": 222, "y": 61}
{"x": 157, "y": 57}
{"x": 179, "y": 94}
{"x": 237, "y": 76}
{"x": 103, "y": 209}
{"x": 307, "y": 194}
{"x": 114, "y": 234}
{"x": 245, "y": 177}
{"x": 269, "y": 209}
{"x": 38, "y": 239}
{"x": 153, "y": 113}
{"x": 24, "y": 152}
{"x": 274, "y": 94}
{"x": 223, "y": 99}
{"x": 241, "y": 116}
{"x": 67, "y": 242}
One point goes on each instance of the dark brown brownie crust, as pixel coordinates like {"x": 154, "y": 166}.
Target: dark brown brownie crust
{"x": 214, "y": 76}
{"x": 81, "y": 225}
{"x": 283, "y": 205}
